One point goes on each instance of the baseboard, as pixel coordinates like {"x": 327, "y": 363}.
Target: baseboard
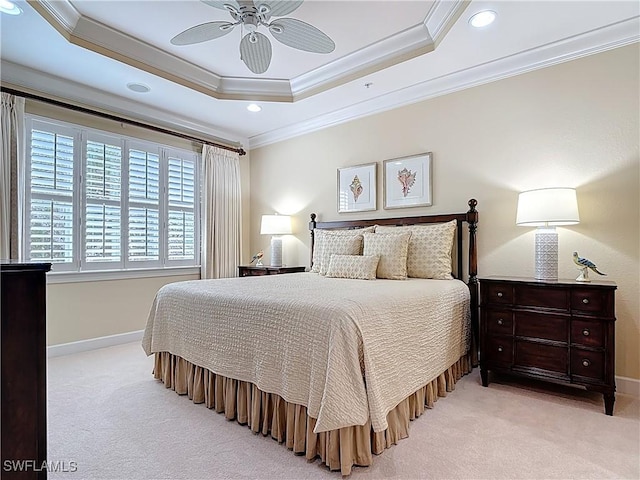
{"x": 628, "y": 386}
{"x": 93, "y": 343}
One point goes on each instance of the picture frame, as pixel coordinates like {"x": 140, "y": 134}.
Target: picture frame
{"x": 357, "y": 188}
{"x": 407, "y": 181}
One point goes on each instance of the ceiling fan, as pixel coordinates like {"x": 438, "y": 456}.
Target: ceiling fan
{"x": 255, "y": 48}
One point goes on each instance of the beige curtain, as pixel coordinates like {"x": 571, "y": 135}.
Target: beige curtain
{"x": 221, "y": 214}
{"x": 11, "y": 187}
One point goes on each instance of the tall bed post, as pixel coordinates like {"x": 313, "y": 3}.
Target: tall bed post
{"x": 472, "y": 220}
{"x": 312, "y": 228}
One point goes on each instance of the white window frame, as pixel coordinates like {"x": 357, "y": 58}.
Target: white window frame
{"x": 80, "y": 268}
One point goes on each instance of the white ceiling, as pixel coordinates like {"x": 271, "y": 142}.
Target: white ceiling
{"x": 405, "y": 51}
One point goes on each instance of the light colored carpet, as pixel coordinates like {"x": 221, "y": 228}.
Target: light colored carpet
{"x": 108, "y": 414}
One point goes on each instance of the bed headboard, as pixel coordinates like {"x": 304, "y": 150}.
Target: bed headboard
{"x": 470, "y": 218}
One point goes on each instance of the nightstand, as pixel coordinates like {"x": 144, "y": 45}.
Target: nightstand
{"x": 562, "y": 331}
{"x": 253, "y": 271}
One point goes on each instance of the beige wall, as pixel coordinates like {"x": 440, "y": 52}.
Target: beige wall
{"x": 80, "y": 311}
{"x": 575, "y": 124}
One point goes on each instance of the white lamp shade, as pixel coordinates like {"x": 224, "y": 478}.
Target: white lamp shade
{"x": 275, "y": 225}
{"x": 548, "y": 207}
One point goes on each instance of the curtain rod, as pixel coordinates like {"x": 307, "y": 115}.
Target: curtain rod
{"x": 116, "y": 118}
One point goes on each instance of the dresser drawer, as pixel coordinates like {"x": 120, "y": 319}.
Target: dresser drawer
{"x": 531, "y": 296}
{"x": 542, "y": 325}
{"x": 545, "y": 357}
{"x": 586, "y": 363}
{"x": 499, "y": 293}
{"x": 589, "y": 301}
{"x": 499, "y": 351}
{"x": 588, "y": 333}
{"x": 499, "y": 321}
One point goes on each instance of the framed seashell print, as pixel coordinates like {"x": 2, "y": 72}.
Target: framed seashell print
{"x": 357, "y": 188}
{"x": 407, "y": 181}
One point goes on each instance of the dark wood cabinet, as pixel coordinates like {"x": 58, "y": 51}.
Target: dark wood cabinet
{"x": 24, "y": 370}
{"x": 562, "y": 331}
{"x": 252, "y": 271}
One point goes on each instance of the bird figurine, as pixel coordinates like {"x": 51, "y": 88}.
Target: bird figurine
{"x": 584, "y": 265}
{"x": 258, "y": 256}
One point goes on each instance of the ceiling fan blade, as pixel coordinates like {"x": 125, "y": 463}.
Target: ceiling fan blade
{"x": 275, "y": 8}
{"x": 255, "y": 52}
{"x": 202, "y": 33}
{"x": 221, "y": 4}
{"x": 301, "y": 35}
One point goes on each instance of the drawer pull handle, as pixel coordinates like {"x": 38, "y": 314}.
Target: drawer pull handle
{"x": 500, "y": 348}
{"x": 585, "y": 301}
{"x": 500, "y": 322}
{"x": 586, "y": 363}
{"x": 586, "y": 332}
{"x": 500, "y": 294}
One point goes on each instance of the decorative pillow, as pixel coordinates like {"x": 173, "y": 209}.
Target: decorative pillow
{"x": 392, "y": 249}
{"x": 353, "y": 266}
{"x": 340, "y": 245}
{"x": 319, "y": 236}
{"x": 429, "y": 249}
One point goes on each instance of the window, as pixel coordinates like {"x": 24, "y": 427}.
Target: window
{"x": 96, "y": 201}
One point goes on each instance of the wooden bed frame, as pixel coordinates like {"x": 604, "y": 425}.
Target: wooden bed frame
{"x": 289, "y": 423}
{"x": 470, "y": 217}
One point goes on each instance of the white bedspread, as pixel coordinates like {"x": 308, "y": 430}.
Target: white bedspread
{"x": 305, "y": 337}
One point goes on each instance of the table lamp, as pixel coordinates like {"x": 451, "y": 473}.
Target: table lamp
{"x": 547, "y": 208}
{"x": 276, "y": 225}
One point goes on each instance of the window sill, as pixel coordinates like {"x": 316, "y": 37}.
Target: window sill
{"x": 101, "y": 275}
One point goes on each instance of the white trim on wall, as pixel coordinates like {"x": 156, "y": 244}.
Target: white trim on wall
{"x": 628, "y": 386}
{"x": 94, "y": 343}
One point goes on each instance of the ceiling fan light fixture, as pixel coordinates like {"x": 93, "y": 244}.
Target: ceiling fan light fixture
{"x": 255, "y": 48}
{"x": 482, "y": 19}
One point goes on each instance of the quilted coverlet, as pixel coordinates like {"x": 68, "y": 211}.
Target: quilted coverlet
{"x": 348, "y": 350}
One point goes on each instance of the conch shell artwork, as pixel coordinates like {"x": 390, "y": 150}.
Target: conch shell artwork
{"x": 356, "y": 188}
{"x": 406, "y": 179}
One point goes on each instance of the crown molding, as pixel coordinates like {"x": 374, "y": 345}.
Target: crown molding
{"x": 21, "y": 77}
{"x": 596, "y": 41}
{"x": 442, "y": 16}
{"x": 410, "y": 43}
{"x": 95, "y": 36}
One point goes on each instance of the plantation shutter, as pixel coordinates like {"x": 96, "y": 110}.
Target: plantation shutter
{"x": 51, "y": 221}
{"x": 181, "y": 228}
{"x": 144, "y": 205}
{"x": 103, "y": 195}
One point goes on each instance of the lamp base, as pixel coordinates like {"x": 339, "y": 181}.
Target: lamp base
{"x": 546, "y": 254}
{"x": 276, "y": 251}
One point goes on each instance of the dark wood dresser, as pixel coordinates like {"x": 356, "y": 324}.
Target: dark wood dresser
{"x": 251, "y": 270}
{"x": 24, "y": 369}
{"x": 562, "y": 331}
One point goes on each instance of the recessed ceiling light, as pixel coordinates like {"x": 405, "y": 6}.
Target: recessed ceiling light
{"x": 252, "y": 107}
{"x": 136, "y": 87}
{"x": 482, "y": 19}
{"x": 9, "y": 8}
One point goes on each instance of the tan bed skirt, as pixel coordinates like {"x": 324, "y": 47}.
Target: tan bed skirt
{"x": 289, "y": 423}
